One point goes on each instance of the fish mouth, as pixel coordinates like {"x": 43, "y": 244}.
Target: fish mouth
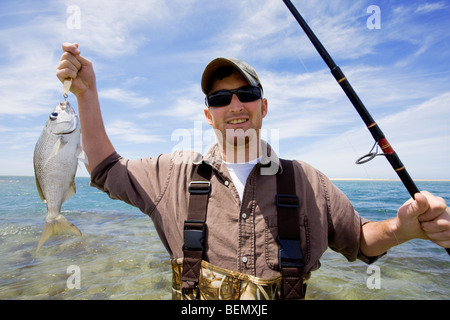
{"x": 65, "y": 132}
{"x": 66, "y": 107}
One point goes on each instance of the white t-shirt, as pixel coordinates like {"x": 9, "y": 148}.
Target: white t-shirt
{"x": 239, "y": 173}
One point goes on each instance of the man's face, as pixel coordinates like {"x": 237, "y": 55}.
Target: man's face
{"x": 238, "y": 119}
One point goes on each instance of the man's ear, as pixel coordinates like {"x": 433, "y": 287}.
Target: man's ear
{"x": 264, "y": 106}
{"x": 208, "y": 116}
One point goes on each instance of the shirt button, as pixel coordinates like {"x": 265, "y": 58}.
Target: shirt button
{"x": 244, "y": 216}
{"x": 226, "y": 183}
{"x": 244, "y": 259}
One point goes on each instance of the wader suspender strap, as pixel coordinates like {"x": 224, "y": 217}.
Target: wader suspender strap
{"x": 290, "y": 252}
{"x": 195, "y": 228}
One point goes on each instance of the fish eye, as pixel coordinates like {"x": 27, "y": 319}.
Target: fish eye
{"x": 53, "y": 116}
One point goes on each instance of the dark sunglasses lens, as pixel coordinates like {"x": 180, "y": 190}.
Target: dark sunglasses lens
{"x": 249, "y": 94}
{"x": 223, "y": 98}
{"x": 219, "y": 99}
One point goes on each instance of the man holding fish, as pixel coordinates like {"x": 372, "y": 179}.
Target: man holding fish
{"x": 240, "y": 238}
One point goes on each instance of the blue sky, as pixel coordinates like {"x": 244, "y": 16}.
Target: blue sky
{"x": 149, "y": 57}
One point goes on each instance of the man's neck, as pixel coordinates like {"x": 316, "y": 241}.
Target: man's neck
{"x": 246, "y": 152}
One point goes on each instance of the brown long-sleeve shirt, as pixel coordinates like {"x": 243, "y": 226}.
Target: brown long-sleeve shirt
{"x": 242, "y": 235}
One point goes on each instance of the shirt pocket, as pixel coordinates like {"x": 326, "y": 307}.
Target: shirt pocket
{"x": 271, "y": 242}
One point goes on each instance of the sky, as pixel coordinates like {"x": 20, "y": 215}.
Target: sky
{"x": 149, "y": 57}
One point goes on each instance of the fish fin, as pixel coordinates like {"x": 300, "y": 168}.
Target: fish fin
{"x": 70, "y": 191}
{"x": 56, "y": 147}
{"x": 58, "y": 226}
{"x": 82, "y": 156}
{"x": 38, "y": 186}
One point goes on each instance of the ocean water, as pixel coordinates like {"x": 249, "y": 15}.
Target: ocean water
{"x": 120, "y": 256}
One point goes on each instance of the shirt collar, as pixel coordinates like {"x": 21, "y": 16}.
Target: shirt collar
{"x": 270, "y": 163}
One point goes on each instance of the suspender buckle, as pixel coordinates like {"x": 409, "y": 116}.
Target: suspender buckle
{"x": 194, "y": 234}
{"x": 197, "y": 293}
{"x": 199, "y": 187}
{"x": 289, "y": 253}
{"x": 287, "y": 201}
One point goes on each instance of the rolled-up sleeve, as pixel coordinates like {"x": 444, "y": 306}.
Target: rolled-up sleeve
{"x": 100, "y": 173}
{"x": 139, "y": 182}
{"x": 345, "y": 225}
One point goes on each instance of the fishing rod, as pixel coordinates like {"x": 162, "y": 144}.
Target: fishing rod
{"x": 373, "y": 127}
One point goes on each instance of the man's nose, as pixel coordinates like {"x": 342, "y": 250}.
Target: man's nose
{"x": 236, "y": 104}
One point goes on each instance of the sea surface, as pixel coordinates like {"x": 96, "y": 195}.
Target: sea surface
{"x": 119, "y": 256}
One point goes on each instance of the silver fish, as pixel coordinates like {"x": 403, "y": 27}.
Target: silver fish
{"x": 55, "y": 164}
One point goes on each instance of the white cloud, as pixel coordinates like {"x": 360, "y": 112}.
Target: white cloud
{"x": 420, "y": 136}
{"x": 151, "y": 54}
{"x": 129, "y": 132}
{"x": 129, "y": 98}
{"x": 313, "y": 104}
{"x": 266, "y": 30}
{"x": 188, "y": 104}
{"x": 429, "y": 7}
{"x": 110, "y": 28}
{"x": 26, "y": 85}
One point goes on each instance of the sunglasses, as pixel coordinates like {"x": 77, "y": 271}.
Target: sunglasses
{"x": 223, "y": 97}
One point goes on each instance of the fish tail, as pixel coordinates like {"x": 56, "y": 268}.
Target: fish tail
{"x": 58, "y": 226}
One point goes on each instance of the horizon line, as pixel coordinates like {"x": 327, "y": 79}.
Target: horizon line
{"x": 332, "y": 179}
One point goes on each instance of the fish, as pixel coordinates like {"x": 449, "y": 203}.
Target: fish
{"x": 55, "y": 161}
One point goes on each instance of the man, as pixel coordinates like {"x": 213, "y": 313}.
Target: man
{"x": 240, "y": 244}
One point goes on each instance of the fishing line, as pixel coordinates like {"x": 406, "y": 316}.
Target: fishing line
{"x": 370, "y": 182}
{"x": 360, "y": 160}
{"x": 66, "y": 88}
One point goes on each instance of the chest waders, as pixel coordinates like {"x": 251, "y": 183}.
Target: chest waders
{"x": 194, "y": 278}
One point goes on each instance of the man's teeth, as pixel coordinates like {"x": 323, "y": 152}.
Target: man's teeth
{"x": 237, "y": 121}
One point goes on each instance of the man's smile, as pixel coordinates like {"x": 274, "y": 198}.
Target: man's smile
{"x": 237, "y": 121}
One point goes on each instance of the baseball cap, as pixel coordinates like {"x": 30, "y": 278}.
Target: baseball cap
{"x": 243, "y": 67}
